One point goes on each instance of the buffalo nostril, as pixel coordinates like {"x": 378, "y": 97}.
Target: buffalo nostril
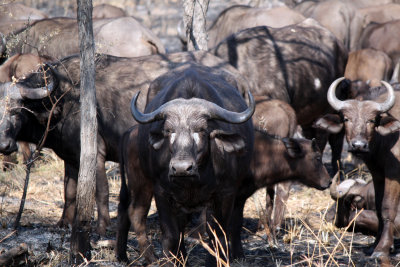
{"x": 190, "y": 168}
{"x": 359, "y": 144}
{"x": 182, "y": 167}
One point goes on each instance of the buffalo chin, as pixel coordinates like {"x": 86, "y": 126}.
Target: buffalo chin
{"x": 359, "y": 152}
{"x": 184, "y": 180}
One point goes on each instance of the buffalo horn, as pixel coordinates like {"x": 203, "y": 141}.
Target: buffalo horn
{"x": 145, "y": 117}
{"x": 215, "y": 111}
{"x": 332, "y": 99}
{"x": 333, "y": 188}
{"x": 36, "y": 93}
{"x": 11, "y": 90}
{"x": 218, "y": 113}
{"x": 388, "y": 104}
{"x": 16, "y": 91}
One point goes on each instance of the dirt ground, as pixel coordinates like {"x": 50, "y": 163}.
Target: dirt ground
{"x": 306, "y": 240}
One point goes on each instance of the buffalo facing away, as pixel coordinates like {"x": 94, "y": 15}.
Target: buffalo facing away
{"x": 295, "y": 64}
{"x": 195, "y": 140}
{"x": 372, "y": 132}
{"x": 57, "y": 38}
{"x": 239, "y": 17}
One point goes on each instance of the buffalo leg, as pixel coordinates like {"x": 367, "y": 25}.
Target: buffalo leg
{"x": 70, "y": 183}
{"x": 279, "y": 205}
{"x": 123, "y": 222}
{"x": 366, "y": 222}
{"x": 218, "y": 219}
{"x": 138, "y": 210}
{"x": 389, "y": 205}
{"x": 172, "y": 230}
{"x": 336, "y": 143}
{"x": 102, "y": 192}
{"x": 236, "y": 221}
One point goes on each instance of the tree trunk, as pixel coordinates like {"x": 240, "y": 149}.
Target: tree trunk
{"x": 80, "y": 236}
{"x": 194, "y": 20}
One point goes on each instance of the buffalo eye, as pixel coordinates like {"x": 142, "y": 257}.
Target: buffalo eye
{"x": 345, "y": 119}
{"x": 156, "y": 140}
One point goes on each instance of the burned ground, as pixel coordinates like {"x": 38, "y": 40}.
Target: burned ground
{"x": 307, "y": 239}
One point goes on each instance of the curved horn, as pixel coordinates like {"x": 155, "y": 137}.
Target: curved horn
{"x": 18, "y": 91}
{"x": 214, "y": 111}
{"x": 333, "y": 188}
{"x": 148, "y": 117}
{"x": 218, "y": 113}
{"x": 332, "y": 99}
{"x": 388, "y": 104}
{"x": 11, "y": 90}
{"x": 36, "y": 93}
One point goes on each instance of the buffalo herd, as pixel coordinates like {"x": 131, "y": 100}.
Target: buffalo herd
{"x": 201, "y": 131}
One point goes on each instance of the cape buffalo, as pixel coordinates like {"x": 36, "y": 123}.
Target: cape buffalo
{"x": 382, "y": 36}
{"x": 372, "y": 132}
{"x": 58, "y": 38}
{"x": 16, "y": 67}
{"x": 239, "y": 17}
{"x": 277, "y": 160}
{"x": 28, "y": 107}
{"x": 365, "y": 68}
{"x": 295, "y": 64}
{"x": 10, "y": 12}
{"x": 355, "y": 200}
{"x": 104, "y": 11}
{"x": 337, "y": 16}
{"x": 283, "y": 123}
{"x": 299, "y": 160}
{"x": 195, "y": 141}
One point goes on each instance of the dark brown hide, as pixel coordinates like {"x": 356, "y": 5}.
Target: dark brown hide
{"x": 117, "y": 79}
{"x": 295, "y": 64}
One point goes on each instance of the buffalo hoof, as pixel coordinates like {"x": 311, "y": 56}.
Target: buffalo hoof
{"x": 62, "y": 223}
{"x": 382, "y": 258}
{"x": 379, "y": 255}
{"x": 122, "y": 258}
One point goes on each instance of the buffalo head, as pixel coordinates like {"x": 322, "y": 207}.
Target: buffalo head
{"x": 351, "y": 196}
{"x": 186, "y": 133}
{"x": 361, "y": 119}
{"x": 12, "y": 109}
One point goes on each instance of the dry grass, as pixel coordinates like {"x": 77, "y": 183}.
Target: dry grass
{"x": 308, "y": 239}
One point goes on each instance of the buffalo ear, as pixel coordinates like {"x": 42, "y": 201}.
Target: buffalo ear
{"x": 228, "y": 142}
{"x": 293, "y": 147}
{"x": 388, "y": 125}
{"x": 329, "y": 122}
{"x": 156, "y": 140}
